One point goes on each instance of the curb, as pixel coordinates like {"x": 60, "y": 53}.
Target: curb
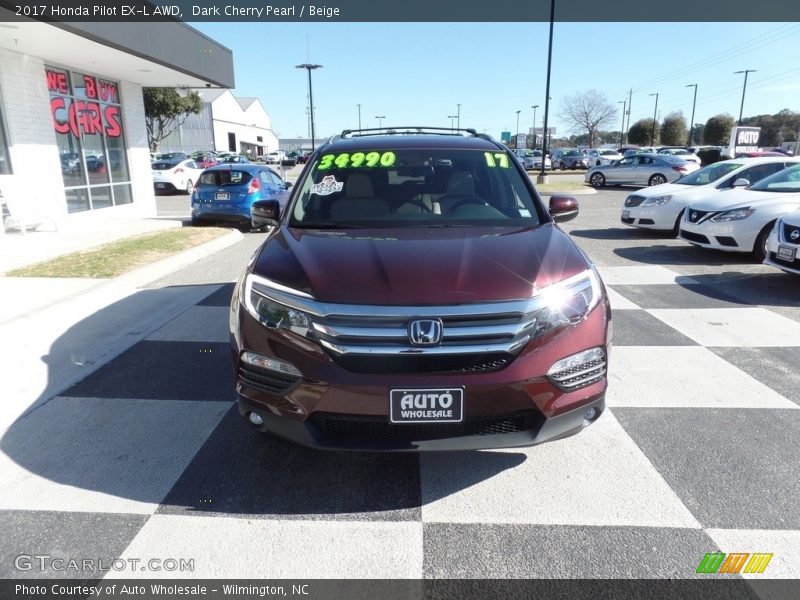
{"x": 166, "y": 266}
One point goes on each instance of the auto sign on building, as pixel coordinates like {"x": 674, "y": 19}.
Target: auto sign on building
{"x": 744, "y": 139}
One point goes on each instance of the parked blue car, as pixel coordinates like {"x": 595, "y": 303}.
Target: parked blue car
{"x": 225, "y": 193}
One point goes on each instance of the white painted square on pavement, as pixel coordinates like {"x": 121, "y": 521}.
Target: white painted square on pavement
{"x": 233, "y": 547}
{"x": 683, "y": 376}
{"x": 198, "y": 324}
{"x": 641, "y": 275}
{"x": 784, "y": 545}
{"x": 736, "y": 327}
{"x": 598, "y": 477}
{"x": 619, "y": 302}
{"x": 101, "y": 455}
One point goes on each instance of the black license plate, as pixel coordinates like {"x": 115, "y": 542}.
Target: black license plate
{"x": 441, "y": 405}
{"x": 786, "y": 253}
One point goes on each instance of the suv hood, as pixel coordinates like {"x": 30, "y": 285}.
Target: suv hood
{"x": 419, "y": 266}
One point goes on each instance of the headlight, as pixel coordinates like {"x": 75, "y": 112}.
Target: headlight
{"x": 566, "y": 302}
{"x": 657, "y": 201}
{"x": 270, "y": 313}
{"x": 733, "y": 215}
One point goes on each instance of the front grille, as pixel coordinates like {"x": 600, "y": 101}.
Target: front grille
{"x": 580, "y": 375}
{"x": 378, "y": 428}
{"x": 695, "y": 216}
{"x": 267, "y": 380}
{"x": 628, "y": 220}
{"x": 788, "y": 230}
{"x": 633, "y": 200}
{"x": 694, "y": 237}
{"x": 432, "y": 363}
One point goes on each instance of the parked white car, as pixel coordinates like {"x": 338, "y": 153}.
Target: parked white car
{"x": 662, "y": 207}
{"x": 172, "y": 176}
{"x": 681, "y": 153}
{"x": 275, "y": 158}
{"x": 742, "y": 219}
{"x": 601, "y": 156}
{"x": 783, "y": 244}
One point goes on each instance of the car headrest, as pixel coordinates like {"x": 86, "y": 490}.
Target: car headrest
{"x": 461, "y": 184}
{"x": 359, "y": 185}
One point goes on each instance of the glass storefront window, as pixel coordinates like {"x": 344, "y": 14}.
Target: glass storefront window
{"x": 87, "y": 117}
{"x": 5, "y": 159}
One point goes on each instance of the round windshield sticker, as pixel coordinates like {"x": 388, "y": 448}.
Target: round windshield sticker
{"x": 327, "y": 186}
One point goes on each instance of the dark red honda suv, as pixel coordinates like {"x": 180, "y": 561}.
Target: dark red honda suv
{"x": 416, "y": 294}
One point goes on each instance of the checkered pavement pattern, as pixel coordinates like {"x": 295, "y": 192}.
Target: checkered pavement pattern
{"x": 697, "y": 452}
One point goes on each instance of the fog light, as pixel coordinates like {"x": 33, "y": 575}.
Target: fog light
{"x": 273, "y": 364}
{"x": 590, "y": 413}
{"x": 579, "y": 370}
{"x": 256, "y": 419}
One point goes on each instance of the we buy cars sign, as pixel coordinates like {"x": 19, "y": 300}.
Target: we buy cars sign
{"x": 744, "y": 139}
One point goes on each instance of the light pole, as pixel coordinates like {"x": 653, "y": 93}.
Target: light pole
{"x": 542, "y": 178}
{"x": 517, "y": 142}
{"x": 458, "y": 116}
{"x": 655, "y": 111}
{"x": 744, "y": 89}
{"x": 691, "y": 122}
{"x": 309, "y": 68}
{"x": 380, "y": 121}
{"x": 622, "y": 127}
{"x": 534, "y": 107}
{"x": 359, "y": 115}
{"x": 451, "y": 117}
{"x": 630, "y": 104}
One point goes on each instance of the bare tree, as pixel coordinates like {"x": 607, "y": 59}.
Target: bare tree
{"x": 588, "y": 112}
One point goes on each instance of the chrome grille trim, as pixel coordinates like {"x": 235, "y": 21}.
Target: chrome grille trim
{"x": 396, "y": 350}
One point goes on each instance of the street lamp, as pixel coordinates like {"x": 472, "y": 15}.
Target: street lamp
{"x": 309, "y": 68}
{"x": 534, "y": 107}
{"x": 622, "y": 127}
{"x": 380, "y": 121}
{"x": 359, "y": 115}
{"x": 542, "y": 178}
{"x": 691, "y": 123}
{"x": 655, "y": 111}
{"x": 458, "y": 116}
{"x": 519, "y": 111}
{"x": 451, "y": 117}
{"x": 744, "y": 89}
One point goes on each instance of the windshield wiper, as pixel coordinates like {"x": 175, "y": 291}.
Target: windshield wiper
{"x": 326, "y": 225}
{"x": 446, "y": 225}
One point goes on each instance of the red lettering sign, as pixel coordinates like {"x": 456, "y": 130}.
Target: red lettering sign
{"x": 57, "y": 82}
{"x": 91, "y": 86}
{"x": 86, "y": 117}
{"x": 108, "y": 91}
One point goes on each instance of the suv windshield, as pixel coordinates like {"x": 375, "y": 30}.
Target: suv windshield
{"x": 708, "y": 174}
{"x": 786, "y": 181}
{"x": 413, "y": 188}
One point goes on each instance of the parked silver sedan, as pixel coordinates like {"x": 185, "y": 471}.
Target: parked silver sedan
{"x": 640, "y": 169}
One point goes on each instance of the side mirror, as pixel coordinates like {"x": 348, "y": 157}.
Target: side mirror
{"x": 741, "y": 182}
{"x": 563, "y": 208}
{"x": 265, "y": 213}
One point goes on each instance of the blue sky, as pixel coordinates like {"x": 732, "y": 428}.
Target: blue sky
{"x": 417, "y": 73}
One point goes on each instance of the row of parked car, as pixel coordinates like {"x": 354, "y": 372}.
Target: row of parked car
{"x": 746, "y": 205}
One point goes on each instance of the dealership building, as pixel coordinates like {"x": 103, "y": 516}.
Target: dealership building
{"x": 73, "y": 142}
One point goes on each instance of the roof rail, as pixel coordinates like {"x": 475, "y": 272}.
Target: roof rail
{"x": 407, "y": 130}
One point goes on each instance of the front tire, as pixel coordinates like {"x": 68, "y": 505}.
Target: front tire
{"x": 657, "y": 179}
{"x": 597, "y": 180}
{"x": 760, "y": 247}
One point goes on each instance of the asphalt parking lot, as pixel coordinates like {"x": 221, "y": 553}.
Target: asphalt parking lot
{"x": 696, "y": 453}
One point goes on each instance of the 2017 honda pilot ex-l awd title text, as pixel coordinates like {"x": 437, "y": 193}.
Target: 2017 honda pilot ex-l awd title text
{"x": 415, "y": 294}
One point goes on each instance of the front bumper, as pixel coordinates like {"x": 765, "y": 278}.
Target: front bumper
{"x": 330, "y": 407}
{"x": 649, "y": 217}
{"x": 733, "y": 236}
{"x": 772, "y": 259}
